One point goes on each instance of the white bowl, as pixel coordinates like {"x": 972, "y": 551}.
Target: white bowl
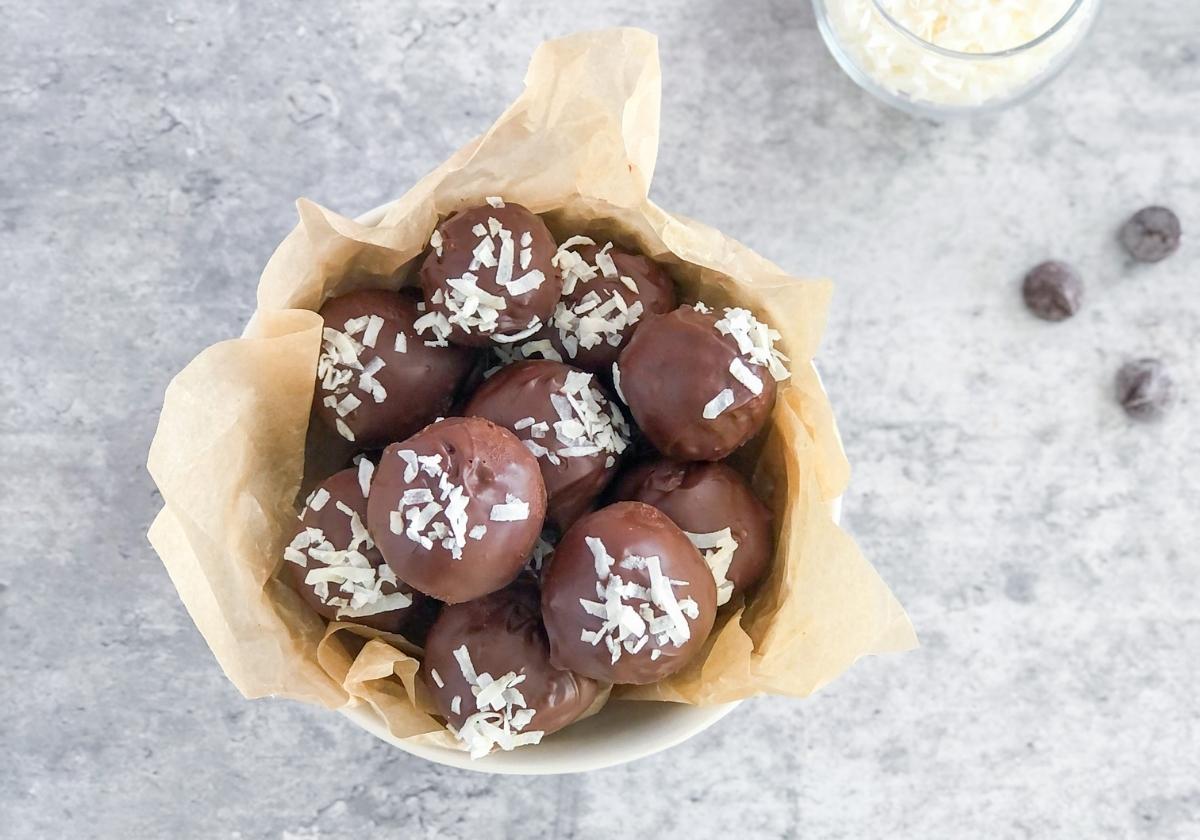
{"x": 624, "y": 730}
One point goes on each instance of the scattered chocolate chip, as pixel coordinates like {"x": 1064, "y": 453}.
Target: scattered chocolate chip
{"x": 1144, "y": 389}
{"x": 1151, "y": 234}
{"x": 1053, "y": 291}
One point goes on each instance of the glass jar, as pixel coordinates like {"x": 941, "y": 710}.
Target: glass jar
{"x": 957, "y": 62}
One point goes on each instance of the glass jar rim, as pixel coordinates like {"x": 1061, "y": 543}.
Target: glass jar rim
{"x": 978, "y": 56}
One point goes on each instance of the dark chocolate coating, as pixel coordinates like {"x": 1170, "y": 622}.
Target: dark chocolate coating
{"x": 420, "y": 383}
{"x": 489, "y": 463}
{"x": 457, "y": 253}
{"x": 655, "y": 292}
{"x": 701, "y": 497}
{"x": 523, "y": 390}
{"x": 671, "y": 368}
{"x": 625, "y": 529}
{"x": 503, "y": 632}
{"x": 335, "y": 524}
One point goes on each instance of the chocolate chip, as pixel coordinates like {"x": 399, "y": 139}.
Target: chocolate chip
{"x": 1053, "y": 291}
{"x": 1144, "y": 389}
{"x": 1151, "y": 234}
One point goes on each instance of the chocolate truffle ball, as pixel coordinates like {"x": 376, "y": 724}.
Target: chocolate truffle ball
{"x": 627, "y": 597}
{"x": 334, "y": 564}
{"x": 489, "y": 276}
{"x": 562, "y": 416}
{"x": 378, "y": 380}
{"x": 718, "y": 511}
{"x": 607, "y": 293}
{"x": 456, "y": 508}
{"x": 487, "y": 666}
{"x": 700, "y": 384}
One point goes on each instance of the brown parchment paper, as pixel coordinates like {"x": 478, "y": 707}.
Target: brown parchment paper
{"x": 579, "y": 146}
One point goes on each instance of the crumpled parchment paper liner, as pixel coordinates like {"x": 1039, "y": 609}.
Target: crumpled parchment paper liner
{"x": 579, "y": 146}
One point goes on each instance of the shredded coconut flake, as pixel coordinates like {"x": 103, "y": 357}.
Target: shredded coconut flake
{"x": 900, "y": 65}
{"x": 318, "y": 498}
{"x": 343, "y": 576}
{"x": 495, "y": 201}
{"x": 371, "y": 335}
{"x": 588, "y": 423}
{"x": 437, "y": 678}
{"x": 745, "y": 376}
{"x": 501, "y": 716}
{"x": 542, "y": 549}
{"x": 366, "y": 470}
{"x": 632, "y": 615}
{"x": 602, "y": 315}
{"x": 617, "y": 383}
{"x": 526, "y": 283}
{"x": 717, "y": 405}
{"x": 604, "y": 261}
{"x": 431, "y": 516}
{"x": 755, "y": 341}
{"x": 437, "y": 325}
{"x": 512, "y": 338}
{"x": 542, "y": 347}
{"x": 718, "y": 549}
{"x": 513, "y": 510}
{"x": 340, "y": 367}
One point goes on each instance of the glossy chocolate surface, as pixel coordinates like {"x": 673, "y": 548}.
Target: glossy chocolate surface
{"x": 673, "y": 366}
{"x": 492, "y": 468}
{"x": 503, "y": 633}
{"x": 459, "y": 238}
{"x": 344, "y": 492}
{"x": 419, "y": 383}
{"x": 625, "y": 530}
{"x": 702, "y": 497}
{"x": 526, "y": 394}
{"x": 639, "y": 281}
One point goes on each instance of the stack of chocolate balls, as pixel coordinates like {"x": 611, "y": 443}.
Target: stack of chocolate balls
{"x": 496, "y": 511}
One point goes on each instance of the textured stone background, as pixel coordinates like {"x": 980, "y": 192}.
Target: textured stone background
{"x": 1046, "y": 547}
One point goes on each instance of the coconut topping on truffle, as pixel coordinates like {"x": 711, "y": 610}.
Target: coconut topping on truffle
{"x": 542, "y": 549}
{"x": 756, "y": 346}
{"x": 339, "y": 365}
{"x": 343, "y": 577}
{"x": 473, "y": 308}
{"x": 426, "y": 518}
{"x": 627, "y": 626}
{"x": 502, "y": 714}
{"x": 717, "y": 548}
{"x": 588, "y": 320}
{"x": 588, "y": 423}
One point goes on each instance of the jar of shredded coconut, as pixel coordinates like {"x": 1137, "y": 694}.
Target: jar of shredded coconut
{"x": 938, "y": 57}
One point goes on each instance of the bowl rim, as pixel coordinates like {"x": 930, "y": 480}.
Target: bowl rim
{"x": 685, "y": 721}
{"x": 930, "y": 110}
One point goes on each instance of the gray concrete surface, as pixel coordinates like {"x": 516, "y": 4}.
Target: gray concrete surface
{"x": 1046, "y": 547}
